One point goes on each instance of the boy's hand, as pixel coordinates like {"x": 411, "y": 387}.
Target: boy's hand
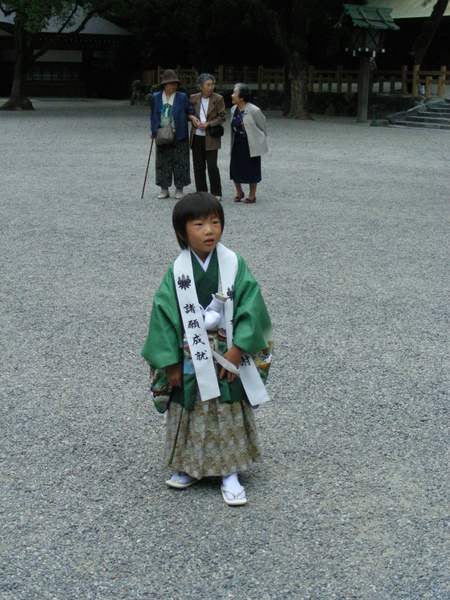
{"x": 175, "y": 375}
{"x": 234, "y": 355}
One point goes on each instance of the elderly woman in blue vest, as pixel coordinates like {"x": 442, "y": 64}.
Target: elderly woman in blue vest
{"x": 169, "y": 107}
{"x": 248, "y": 142}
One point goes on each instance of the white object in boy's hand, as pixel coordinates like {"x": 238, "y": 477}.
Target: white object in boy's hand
{"x": 214, "y": 312}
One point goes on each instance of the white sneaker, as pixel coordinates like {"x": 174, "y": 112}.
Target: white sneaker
{"x": 179, "y": 193}
{"x": 164, "y": 193}
{"x": 219, "y": 198}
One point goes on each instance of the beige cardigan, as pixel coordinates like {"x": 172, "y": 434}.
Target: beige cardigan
{"x": 216, "y": 116}
{"x": 255, "y": 127}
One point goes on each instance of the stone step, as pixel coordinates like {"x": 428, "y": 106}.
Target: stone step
{"x": 420, "y": 125}
{"x": 433, "y": 115}
{"x": 427, "y": 118}
{"x": 445, "y": 110}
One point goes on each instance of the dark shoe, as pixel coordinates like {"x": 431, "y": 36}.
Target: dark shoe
{"x": 250, "y": 200}
{"x": 239, "y": 198}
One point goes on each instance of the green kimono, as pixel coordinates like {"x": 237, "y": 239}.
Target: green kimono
{"x": 252, "y": 330}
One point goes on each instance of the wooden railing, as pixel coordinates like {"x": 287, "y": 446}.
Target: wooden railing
{"x": 319, "y": 80}
{"x": 226, "y": 76}
{"x": 340, "y": 80}
{"x": 427, "y": 78}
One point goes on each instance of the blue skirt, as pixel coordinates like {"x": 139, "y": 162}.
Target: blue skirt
{"x": 244, "y": 168}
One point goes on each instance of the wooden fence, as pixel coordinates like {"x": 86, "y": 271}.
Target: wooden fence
{"x": 383, "y": 82}
{"x": 337, "y": 80}
{"x": 226, "y": 76}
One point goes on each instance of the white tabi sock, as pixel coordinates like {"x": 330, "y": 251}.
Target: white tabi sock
{"x": 181, "y": 477}
{"x": 231, "y": 482}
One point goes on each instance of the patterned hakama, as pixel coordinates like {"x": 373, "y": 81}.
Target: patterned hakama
{"x": 215, "y": 439}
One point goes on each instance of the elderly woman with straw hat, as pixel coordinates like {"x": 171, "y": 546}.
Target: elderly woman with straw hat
{"x": 170, "y": 111}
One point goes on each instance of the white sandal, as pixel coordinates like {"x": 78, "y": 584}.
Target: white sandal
{"x": 236, "y": 500}
{"x": 181, "y": 482}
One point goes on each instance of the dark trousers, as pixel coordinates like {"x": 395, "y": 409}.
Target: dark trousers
{"x": 203, "y": 158}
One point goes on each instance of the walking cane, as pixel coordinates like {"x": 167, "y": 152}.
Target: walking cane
{"x": 146, "y": 172}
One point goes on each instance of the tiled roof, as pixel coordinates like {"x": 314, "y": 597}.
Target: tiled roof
{"x": 369, "y": 17}
{"x": 95, "y": 26}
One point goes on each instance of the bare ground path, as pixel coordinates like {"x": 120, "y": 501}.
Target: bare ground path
{"x": 349, "y": 240}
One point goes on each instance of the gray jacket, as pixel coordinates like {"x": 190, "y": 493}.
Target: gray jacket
{"x": 255, "y": 127}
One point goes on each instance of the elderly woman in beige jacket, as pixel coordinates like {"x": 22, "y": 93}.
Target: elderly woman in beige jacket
{"x": 210, "y": 107}
{"x": 248, "y": 142}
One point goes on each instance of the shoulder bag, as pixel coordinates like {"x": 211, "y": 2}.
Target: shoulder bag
{"x": 216, "y": 131}
{"x": 164, "y": 136}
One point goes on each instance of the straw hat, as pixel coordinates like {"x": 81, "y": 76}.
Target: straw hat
{"x": 169, "y": 76}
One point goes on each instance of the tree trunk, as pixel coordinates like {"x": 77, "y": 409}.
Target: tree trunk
{"x": 295, "y": 105}
{"x": 363, "y": 87}
{"x": 287, "y": 91}
{"x": 18, "y": 100}
{"x": 430, "y": 27}
{"x": 298, "y": 76}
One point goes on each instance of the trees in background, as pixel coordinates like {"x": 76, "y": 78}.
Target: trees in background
{"x": 32, "y": 16}
{"x": 200, "y": 32}
{"x": 207, "y": 32}
{"x": 430, "y": 27}
{"x": 203, "y": 33}
{"x": 291, "y": 25}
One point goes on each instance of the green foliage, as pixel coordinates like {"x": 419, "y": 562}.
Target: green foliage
{"x": 171, "y": 32}
{"x": 291, "y": 22}
{"x": 35, "y": 14}
{"x": 32, "y": 16}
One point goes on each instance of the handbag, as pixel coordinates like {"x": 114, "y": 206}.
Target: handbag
{"x": 216, "y": 131}
{"x": 164, "y": 136}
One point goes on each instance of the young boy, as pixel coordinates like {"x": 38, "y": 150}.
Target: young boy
{"x": 212, "y": 377}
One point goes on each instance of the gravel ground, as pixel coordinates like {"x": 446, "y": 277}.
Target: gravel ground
{"x": 348, "y": 241}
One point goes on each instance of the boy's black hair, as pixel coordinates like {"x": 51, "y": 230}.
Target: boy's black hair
{"x": 194, "y": 206}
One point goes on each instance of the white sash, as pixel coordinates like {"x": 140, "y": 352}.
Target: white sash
{"x": 194, "y": 327}
{"x": 197, "y": 336}
{"x": 253, "y": 385}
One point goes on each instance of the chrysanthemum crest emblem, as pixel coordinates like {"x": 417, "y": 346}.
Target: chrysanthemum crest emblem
{"x": 184, "y": 282}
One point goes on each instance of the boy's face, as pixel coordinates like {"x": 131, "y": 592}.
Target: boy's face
{"x": 203, "y": 234}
